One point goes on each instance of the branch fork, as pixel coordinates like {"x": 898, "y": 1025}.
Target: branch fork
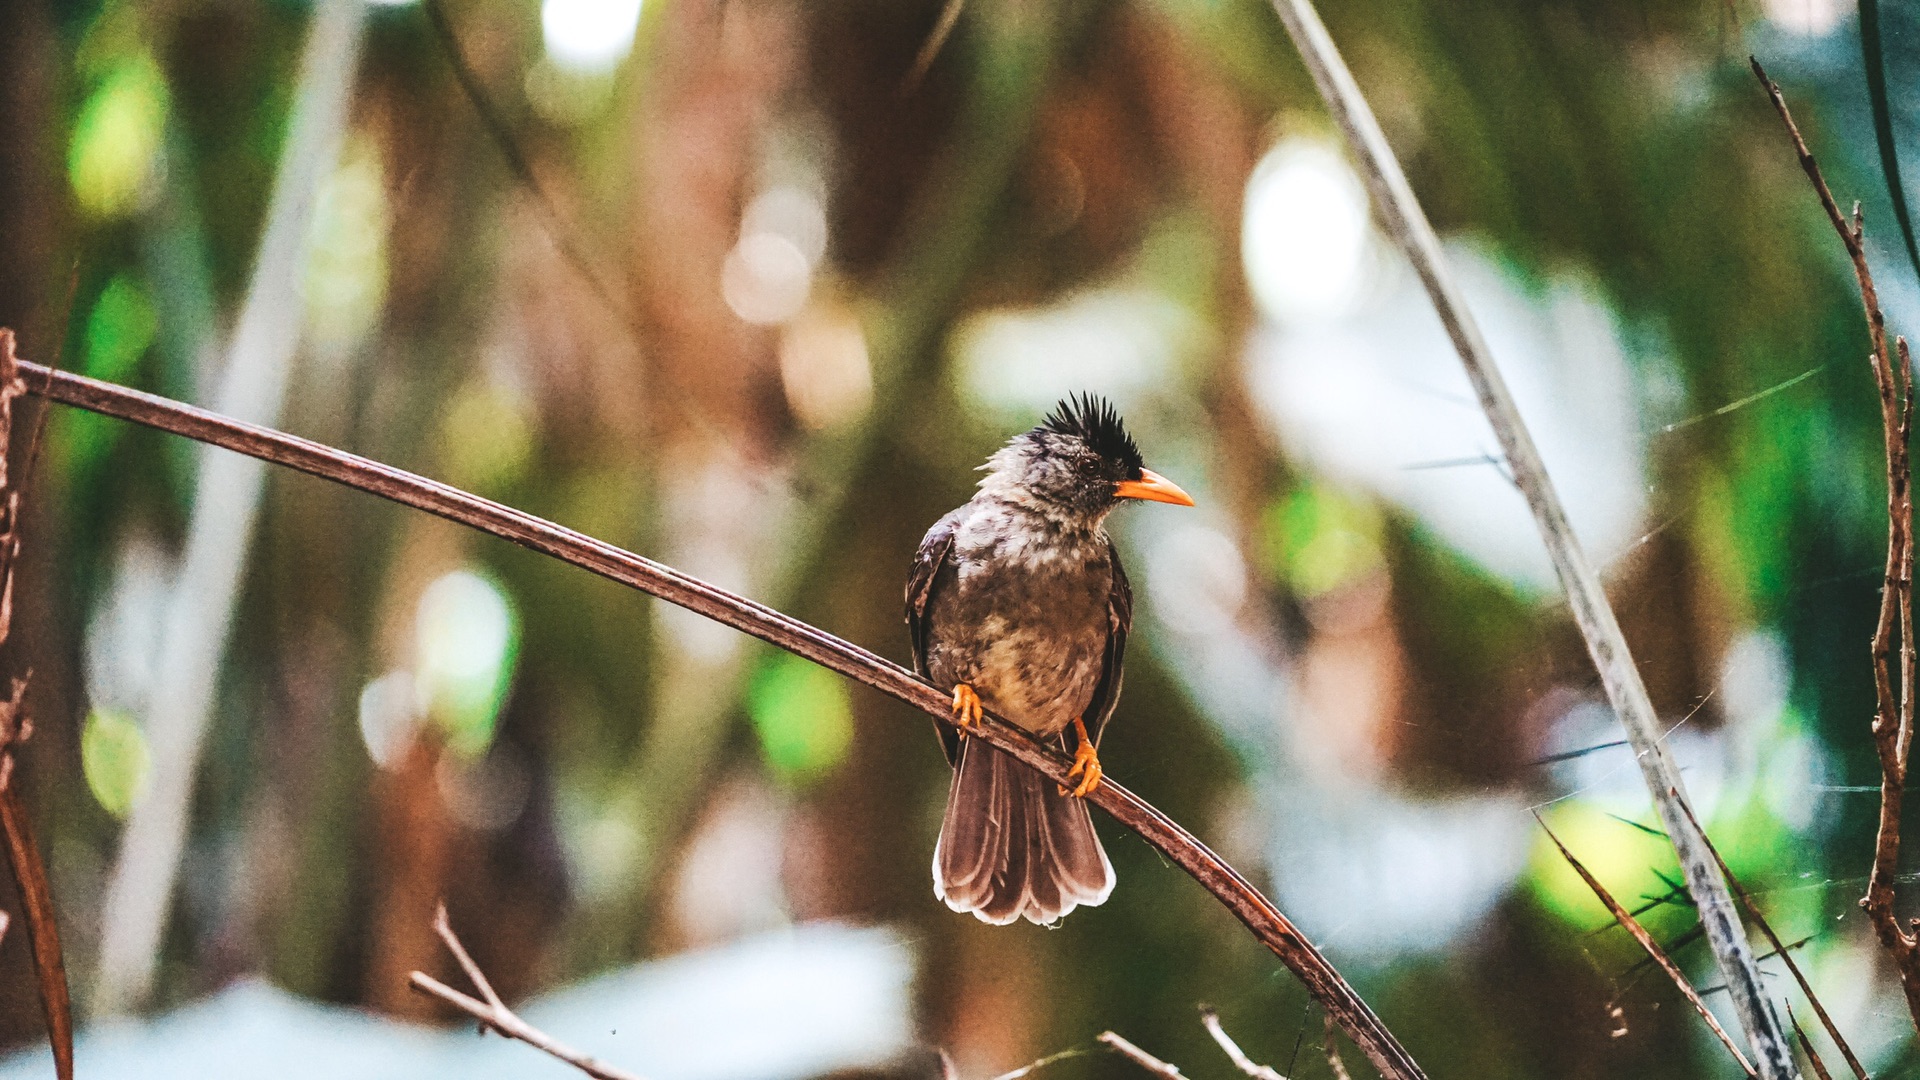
{"x": 1892, "y": 727}
{"x": 493, "y": 1013}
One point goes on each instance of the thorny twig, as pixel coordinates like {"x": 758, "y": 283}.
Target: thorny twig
{"x": 1402, "y": 217}
{"x": 1893, "y": 714}
{"x": 1238, "y": 895}
{"x": 1785, "y": 953}
{"x": 1806, "y": 1047}
{"x": 1653, "y": 948}
{"x": 493, "y": 1013}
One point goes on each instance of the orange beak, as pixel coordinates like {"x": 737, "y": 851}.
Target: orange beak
{"x": 1154, "y": 488}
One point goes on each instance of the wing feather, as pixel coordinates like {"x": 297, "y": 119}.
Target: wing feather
{"x": 932, "y": 567}
{"x": 1106, "y": 693}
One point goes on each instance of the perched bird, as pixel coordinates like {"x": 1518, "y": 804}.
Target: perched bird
{"x": 1017, "y": 603}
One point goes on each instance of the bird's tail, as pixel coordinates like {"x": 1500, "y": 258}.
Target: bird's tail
{"x": 1012, "y": 845}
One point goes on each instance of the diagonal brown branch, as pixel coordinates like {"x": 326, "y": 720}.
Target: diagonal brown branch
{"x": 1272, "y": 928}
{"x": 1893, "y": 715}
{"x": 1653, "y": 948}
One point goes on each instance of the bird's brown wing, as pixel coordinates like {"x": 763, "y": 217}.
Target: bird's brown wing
{"x": 1106, "y": 693}
{"x": 931, "y": 569}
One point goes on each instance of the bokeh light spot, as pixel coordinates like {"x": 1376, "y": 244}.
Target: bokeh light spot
{"x": 120, "y": 328}
{"x": 346, "y": 277}
{"x": 766, "y": 278}
{"x": 803, "y": 716}
{"x": 467, "y": 635}
{"x": 824, "y": 368}
{"x": 589, "y": 36}
{"x": 115, "y": 759}
{"x": 1320, "y": 539}
{"x": 114, "y": 155}
{"x": 1304, "y": 233}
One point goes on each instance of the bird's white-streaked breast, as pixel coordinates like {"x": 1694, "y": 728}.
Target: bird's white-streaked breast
{"x": 1024, "y": 621}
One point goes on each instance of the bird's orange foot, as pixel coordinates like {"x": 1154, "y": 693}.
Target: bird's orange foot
{"x": 1086, "y": 765}
{"x": 967, "y": 709}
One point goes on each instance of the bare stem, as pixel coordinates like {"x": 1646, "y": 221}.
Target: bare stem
{"x": 493, "y": 1013}
{"x": 1229, "y": 886}
{"x": 1893, "y": 713}
{"x": 1402, "y": 217}
{"x": 1141, "y": 1057}
{"x": 1211, "y": 1021}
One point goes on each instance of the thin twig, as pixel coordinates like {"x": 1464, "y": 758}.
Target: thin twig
{"x": 1806, "y": 1046}
{"x": 510, "y": 1025}
{"x": 1141, "y": 1057}
{"x": 1334, "y": 1063}
{"x": 1653, "y": 948}
{"x": 1402, "y": 217}
{"x": 1785, "y": 953}
{"x": 1228, "y": 885}
{"x": 494, "y": 1014}
{"x": 1070, "y": 1052}
{"x": 444, "y": 929}
{"x": 1211, "y": 1021}
{"x": 949, "y": 17}
{"x": 1893, "y": 712}
{"x": 500, "y": 133}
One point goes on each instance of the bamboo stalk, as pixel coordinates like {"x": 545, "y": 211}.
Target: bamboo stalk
{"x": 1402, "y": 217}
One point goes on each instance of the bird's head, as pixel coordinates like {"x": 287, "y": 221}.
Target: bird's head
{"x": 1077, "y": 465}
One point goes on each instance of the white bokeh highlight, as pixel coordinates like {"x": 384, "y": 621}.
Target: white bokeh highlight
{"x": 1305, "y": 233}
{"x": 588, "y": 37}
{"x": 1379, "y": 399}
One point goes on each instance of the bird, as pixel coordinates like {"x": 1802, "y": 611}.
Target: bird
{"x": 1017, "y": 604}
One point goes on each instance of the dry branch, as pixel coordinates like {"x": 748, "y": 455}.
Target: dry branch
{"x": 1211, "y": 1021}
{"x": 1893, "y": 714}
{"x": 1228, "y": 885}
{"x": 1402, "y": 217}
{"x": 1141, "y": 1058}
{"x": 23, "y": 854}
{"x": 1806, "y": 1047}
{"x": 493, "y": 1013}
{"x": 1653, "y": 948}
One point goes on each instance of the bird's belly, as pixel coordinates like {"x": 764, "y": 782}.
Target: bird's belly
{"x": 1037, "y": 679}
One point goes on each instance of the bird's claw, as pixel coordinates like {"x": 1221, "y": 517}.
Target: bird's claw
{"x": 967, "y": 708}
{"x": 1086, "y": 765}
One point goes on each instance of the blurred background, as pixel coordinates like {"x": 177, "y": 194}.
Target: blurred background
{"x": 729, "y": 283}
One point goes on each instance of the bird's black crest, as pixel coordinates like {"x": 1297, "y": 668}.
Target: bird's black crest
{"x": 1095, "y": 421}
